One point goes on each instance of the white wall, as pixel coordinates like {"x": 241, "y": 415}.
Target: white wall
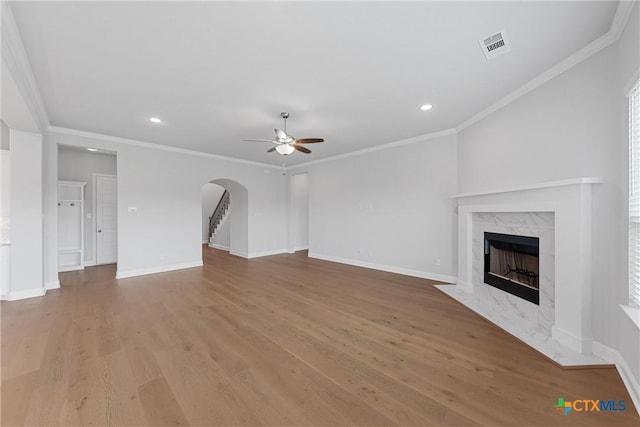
{"x": 5, "y": 200}
{"x": 300, "y": 211}
{"x": 211, "y": 194}
{"x": 166, "y": 188}
{"x": 50, "y": 208}
{"x": 80, "y": 166}
{"x": 389, "y": 209}
{"x": 5, "y": 211}
{"x": 5, "y": 187}
{"x": 26, "y": 215}
{"x": 561, "y": 130}
{"x": 4, "y": 136}
{"x": 572, "y": 126}
{"x": 22, "y": 124}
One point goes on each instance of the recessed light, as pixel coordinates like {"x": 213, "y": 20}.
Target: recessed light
{"x": 426, "y": 107}
{"x": 155, "y": 120}
{"x": 92, "y": 149}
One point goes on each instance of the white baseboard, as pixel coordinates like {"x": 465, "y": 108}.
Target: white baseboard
{"x": 259, "y": 254}
{"x": 29, "y": 293}
{"x": 630, "y": 382}
{"x": 159, "y": 269}
{"x": 72, "y": 268}
{"x": 90, "y": 263}
{"x": 205, "y": 242}
{"x": 301, "y": 248}
{"x": 267, "y": 253}
{"x": 240, "y": 254}
{"x": 217, "y": 246}
{"x": 569, "y": 340}
{"x": 388, "y": 268}
{"x": 54, "y": 284}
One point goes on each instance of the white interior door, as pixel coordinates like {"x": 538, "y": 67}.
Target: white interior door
{"x": 106, "y": 220}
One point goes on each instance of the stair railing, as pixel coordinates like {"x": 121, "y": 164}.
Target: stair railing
{"x": 218, "y": 213}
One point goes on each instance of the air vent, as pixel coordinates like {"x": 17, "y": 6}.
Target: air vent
{"x": 495, "y": 45}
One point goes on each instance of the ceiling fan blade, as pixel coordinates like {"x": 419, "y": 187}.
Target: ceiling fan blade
{"x": 302, "y": 149}
{"x": 271, "y": 150}
{"x": 260, "y": 140}
{"x": 308, "y": 140}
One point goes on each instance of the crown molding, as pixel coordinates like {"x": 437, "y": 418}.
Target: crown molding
{"x": 15, "y": 58}
{"x": 620, "y": 19}
{"x": 394, "y": 144}
{"x": 615, "y": 31}
{"x": 126, "y": 141}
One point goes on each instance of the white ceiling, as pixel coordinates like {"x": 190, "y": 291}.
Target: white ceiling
{"x": 354, "y": 73}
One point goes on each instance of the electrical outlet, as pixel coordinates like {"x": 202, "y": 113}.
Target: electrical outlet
{"x": 438, "y": 262}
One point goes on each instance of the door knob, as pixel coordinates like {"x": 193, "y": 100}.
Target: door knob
{"x": 99, "y": 231}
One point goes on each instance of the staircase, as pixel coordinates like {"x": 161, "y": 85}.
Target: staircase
{"x": 219, "y": 214}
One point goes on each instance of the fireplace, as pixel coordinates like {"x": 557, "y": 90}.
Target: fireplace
{"x": 511, "y": 263}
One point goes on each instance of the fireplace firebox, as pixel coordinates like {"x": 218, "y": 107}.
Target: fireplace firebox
{"x": 511, "y": 263}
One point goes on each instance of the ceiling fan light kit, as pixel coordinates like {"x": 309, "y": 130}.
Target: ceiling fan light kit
{"x": 285, "y": 149}
{"x": 285, "y": 144}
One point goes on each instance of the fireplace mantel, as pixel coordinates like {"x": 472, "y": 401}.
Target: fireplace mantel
{"x": 548, "y": 184}
{"x": 569, "y": 201}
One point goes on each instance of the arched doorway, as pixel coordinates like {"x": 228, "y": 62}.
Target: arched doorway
{"x": 237, "y": 222}
{"x": 214, "y": 209}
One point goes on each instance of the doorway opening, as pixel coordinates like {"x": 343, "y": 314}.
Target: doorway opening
{"x": 299, "y": 212}
{"x": 216, "y": 208}
{"x": 87, "y": 208}
{"x": 225, "y": 216}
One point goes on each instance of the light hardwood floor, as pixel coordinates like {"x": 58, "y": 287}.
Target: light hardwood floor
{"x": 277, "y": 341}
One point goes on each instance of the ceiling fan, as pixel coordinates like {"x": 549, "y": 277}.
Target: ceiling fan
{"x": 285, "y": 144}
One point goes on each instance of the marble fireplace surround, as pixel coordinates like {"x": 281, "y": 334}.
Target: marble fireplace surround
{"x": 559, "y": 213}
{"x": 534, "y": 319}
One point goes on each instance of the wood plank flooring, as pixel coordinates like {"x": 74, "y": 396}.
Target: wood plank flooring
{"x": 277, "y": 341}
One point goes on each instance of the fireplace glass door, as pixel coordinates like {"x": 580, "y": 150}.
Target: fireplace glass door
{"x": 511, "y": 263}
